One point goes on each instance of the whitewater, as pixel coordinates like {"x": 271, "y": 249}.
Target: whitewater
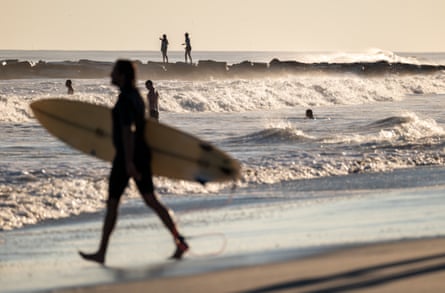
{"x": 364, "y": 125}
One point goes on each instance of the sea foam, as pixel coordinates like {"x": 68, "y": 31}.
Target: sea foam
{"x": 228, "y": 95}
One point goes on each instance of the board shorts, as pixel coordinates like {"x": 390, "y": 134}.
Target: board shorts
{"x": 119, "y": 178}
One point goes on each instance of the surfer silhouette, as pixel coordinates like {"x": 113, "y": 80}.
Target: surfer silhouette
{"x": 69, "y": 85}
{"x": 132, "y": 160}
{"x": 152, "y": 98}
{"x": 188, "y": 48}
{"x": 309, "y": 114}
{"x": 164, "y": 47}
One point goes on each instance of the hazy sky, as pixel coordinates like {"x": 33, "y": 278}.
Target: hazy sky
{"x": 254, "y": 25}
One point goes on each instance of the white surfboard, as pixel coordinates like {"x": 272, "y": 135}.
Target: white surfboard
{"x": 175, "y": 154}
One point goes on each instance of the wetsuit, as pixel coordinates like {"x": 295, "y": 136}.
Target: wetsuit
{"x": 129, "y": 111}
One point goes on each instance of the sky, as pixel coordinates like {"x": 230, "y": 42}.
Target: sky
{"x": 224, "y": 25}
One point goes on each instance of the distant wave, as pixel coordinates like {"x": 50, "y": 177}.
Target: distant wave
{"x": 234, "y": 95}
{"x": 208, "y": 69}
{"x": 396, "y": 131}
{"x": 278, "y": 132}
{"x": 391, "y": 122}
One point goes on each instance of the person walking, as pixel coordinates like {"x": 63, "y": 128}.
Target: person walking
{"x": 132, "y": 160}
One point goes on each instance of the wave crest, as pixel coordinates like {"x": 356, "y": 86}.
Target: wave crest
{"x": 272, "y": 135}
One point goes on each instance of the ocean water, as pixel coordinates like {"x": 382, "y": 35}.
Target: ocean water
{"x": 364, "y": 126}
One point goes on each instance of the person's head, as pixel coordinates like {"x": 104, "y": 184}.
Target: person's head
{"x": 68, "y": 83}
{"x": 309, "y": 114}
{"x": 164, "y": 36}
{"x": 149, "y": 84}
{"x": 186, "y": 35}
{"x": 123, "y": 74}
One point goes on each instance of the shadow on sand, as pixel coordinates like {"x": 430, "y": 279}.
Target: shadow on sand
{"x": 364, "y": 277}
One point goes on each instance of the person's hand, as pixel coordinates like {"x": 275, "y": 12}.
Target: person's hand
{"x": 132, "y": 171}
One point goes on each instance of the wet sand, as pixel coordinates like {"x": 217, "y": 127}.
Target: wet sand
{"x": 402, "y": 266}
{"x": 341, "y": 239}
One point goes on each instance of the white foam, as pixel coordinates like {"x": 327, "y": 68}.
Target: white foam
{"x": 370, "y": 55}
{"x": 410, "y": 128}
{"x": 228, "y": 95}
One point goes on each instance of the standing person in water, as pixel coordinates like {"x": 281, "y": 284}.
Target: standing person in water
{"x": 152, "y": 98}
{"x": 188, "y": 48}
{"x": 164, "y": 48}
{"x": 132, "y": 160}
{"x": 69, "y": 86}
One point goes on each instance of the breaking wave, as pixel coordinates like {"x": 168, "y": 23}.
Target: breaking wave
{"x": 227, "y": 96}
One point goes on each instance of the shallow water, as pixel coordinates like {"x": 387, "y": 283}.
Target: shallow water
{"x": 364, "y": 125}
{"x": 43, "y": 178}
{"x": 249, "y": 226}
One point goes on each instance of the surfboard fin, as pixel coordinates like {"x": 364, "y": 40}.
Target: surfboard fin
{"x": 201, "y": 180}
{"x": 206, "y": 147}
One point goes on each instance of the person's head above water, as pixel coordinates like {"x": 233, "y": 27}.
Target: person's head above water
{"x": 309, "y": 114}
{"x": 69, "y": 85}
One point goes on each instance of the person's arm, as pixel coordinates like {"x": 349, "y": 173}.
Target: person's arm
{"x": 128, "y": 141}
{"x": 156, "y": 101}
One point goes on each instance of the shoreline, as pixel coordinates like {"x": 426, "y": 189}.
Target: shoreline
{"x": 291, "y": 239}
{"x": 396, "y": 266}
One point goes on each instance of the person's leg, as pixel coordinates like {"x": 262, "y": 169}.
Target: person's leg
{"x": 117, "y": 183}
{"x": 108, "y": 227}
{"x": 166, "y": 217}
{"x": 147, "y": 191}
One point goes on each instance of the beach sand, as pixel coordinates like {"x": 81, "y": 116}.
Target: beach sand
{"x": 336, "y": 240}
{"x": 402, "y": 266}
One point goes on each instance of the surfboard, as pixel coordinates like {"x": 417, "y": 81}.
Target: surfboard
{"x": 175, "y": 154}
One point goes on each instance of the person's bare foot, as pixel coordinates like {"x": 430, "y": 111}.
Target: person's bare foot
{"x": 96, "y": 257}
{"x": 181, "y": 248}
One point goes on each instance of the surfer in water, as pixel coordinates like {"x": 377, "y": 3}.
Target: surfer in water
{"x": 132, "y": 160}
{"x": 69, "y": 86}
{"x": 309, "y": 114}
{"x": 152, "y": 98}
